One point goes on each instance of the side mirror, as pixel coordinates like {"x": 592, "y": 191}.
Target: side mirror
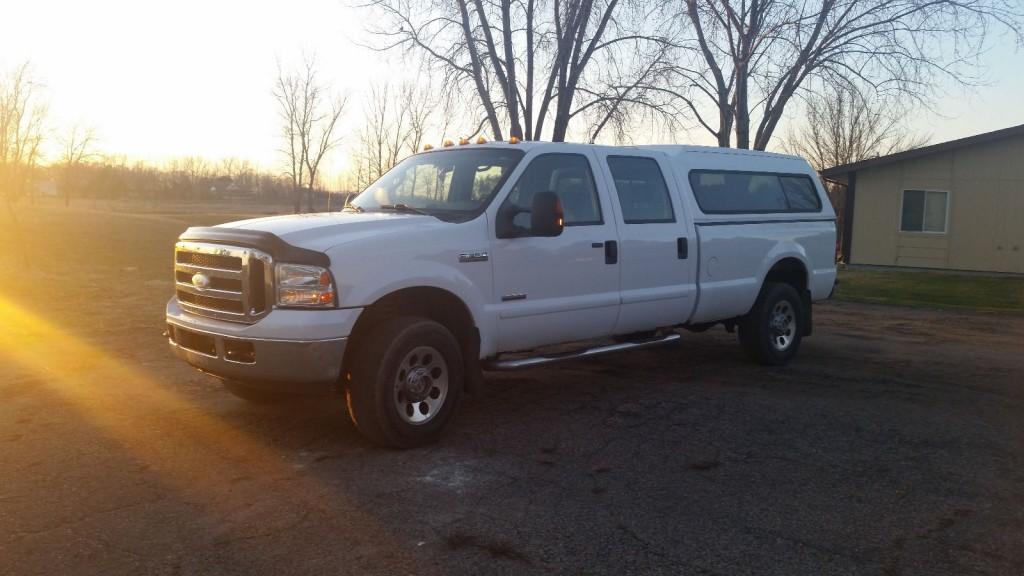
{"x": 546, "y": 216}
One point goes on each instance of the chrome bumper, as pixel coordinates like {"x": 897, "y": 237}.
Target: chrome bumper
{"x": 278, "y": 363}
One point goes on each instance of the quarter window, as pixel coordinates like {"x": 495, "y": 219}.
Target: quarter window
{"x": 643, "y": 194}
{"x": 726, "y": 192}
{"x": 924, "y": 211}
{"x": 800, "y": 193}
{"x": 568, "y": 176}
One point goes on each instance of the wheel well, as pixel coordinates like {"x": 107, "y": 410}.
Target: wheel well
{"x": 789, "y": 271}
{"x": 793, "y": 272}
{"x": 436, "y": 304}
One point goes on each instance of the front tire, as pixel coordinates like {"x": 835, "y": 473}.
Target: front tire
{"x": 771, "y": 332}
{"x": 406, "y": 382}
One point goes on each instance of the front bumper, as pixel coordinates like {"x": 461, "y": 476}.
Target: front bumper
{"x": 232, "y": 351}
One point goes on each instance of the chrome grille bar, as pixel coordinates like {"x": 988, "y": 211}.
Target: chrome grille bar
{"x": 205, "y": 262}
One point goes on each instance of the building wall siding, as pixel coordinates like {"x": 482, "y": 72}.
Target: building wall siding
{"x": 985, "y": 226}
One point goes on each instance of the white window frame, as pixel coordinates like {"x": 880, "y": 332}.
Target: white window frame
{"x": 945, "y": 223}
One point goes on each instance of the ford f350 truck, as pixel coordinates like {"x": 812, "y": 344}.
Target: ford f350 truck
{"x": 483, "y": 256}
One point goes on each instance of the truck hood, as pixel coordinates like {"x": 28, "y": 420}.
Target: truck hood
{"x": 324, "y": 231}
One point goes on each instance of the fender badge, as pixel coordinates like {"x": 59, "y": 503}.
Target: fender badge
{"x": 473, "y": 257}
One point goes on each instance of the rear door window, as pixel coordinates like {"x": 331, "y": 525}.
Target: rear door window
{"x": 643, "y": 194}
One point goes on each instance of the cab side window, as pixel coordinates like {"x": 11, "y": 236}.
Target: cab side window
{"x": 568, "y": 176}
{"x": 643, "y": 194}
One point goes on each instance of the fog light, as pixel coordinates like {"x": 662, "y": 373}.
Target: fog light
{"x": 239, "y": 351}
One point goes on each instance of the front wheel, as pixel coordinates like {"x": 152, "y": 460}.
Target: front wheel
{"x": 771, "y": 331}
{"x": 406, "y": 383}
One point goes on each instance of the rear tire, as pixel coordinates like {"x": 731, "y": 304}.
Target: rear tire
{"x": 771, "y": 333}
{"x": 406, "y": 382}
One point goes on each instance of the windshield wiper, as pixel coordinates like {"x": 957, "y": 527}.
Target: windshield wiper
{"x": 405, "y": 208}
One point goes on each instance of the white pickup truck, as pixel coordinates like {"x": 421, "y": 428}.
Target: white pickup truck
{"x": 482, "y": 256}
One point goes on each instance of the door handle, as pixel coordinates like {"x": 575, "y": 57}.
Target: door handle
{"x": 611, "y": 252}
{"x": 682, "y": 248}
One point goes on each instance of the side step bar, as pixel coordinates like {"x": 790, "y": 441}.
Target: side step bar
{"x": 520, "y": 363}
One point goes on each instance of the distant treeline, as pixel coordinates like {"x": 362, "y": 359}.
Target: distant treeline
{"x": 188, "y": 180}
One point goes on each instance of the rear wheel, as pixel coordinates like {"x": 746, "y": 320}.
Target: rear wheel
{"x": 406, "y": 383}
{"x": 771, "y": 331}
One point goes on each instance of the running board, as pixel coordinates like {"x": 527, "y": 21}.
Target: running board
{"x": 520, "y": 363}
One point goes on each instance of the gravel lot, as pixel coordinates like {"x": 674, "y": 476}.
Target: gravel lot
{"x": 893, "y": 445}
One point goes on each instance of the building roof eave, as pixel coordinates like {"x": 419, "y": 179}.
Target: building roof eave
{"x": 923, "y": 151}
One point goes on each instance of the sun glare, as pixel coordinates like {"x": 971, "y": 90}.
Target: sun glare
{"x": 80, "y": 374}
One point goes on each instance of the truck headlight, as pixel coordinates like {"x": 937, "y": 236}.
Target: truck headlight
{"x": 304, "y": 286}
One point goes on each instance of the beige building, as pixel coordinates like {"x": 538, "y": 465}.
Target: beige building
{"x": 957, "y": 205}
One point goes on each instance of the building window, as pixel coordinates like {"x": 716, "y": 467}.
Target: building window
{"x": 924, "y": 211}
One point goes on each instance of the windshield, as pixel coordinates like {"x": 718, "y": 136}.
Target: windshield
{"x": 450, "y": 184}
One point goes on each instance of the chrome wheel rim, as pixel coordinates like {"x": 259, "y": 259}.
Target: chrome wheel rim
{"x": 421, "y": 385}
{"x": 782, "y": 325}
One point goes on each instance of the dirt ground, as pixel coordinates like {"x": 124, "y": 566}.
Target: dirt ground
{"x": 894, "y": 444}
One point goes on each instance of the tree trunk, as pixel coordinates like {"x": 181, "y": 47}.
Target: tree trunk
{"x": 725, "y": 119}
{"x": 478, "y": 77}
{"x": 510, "y": 67}
{"x": 742, "y": 112}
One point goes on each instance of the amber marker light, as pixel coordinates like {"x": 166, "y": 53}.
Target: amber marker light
{"x": 427, "y": 147}
{"x": 481, "y": 140}
{"x": 448, "y": 143}
{"x": 463, "y": 141}
{"x": 513, "y": 140}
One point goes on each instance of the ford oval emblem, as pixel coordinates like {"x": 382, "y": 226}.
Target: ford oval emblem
{"x": 201, "y": 281}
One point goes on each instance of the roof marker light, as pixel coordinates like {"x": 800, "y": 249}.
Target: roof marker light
{"x": 513, "y": 140}
{"x": 463, "y": 141}
{"x": 427, "y": 147}
{"x": 481, "y": 140}
{"x": 447, "y": 143}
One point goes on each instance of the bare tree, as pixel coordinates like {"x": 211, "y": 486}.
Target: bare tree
{"x": 842, "y": 126}
{"x": 76, "y": 147}
{"x": 530, "y": 61}
{"x": 309, "y": 115}
{"x": 196, "y": 171}
{"x": 396, "y": 122}
{"x": 747, "y": 59}
{"x": 22, "y": 117}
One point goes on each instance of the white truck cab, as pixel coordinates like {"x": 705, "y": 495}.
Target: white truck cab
{"x": 477, "y": 257}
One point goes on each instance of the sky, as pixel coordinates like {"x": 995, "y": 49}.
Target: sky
{"x": 194, "y": 77}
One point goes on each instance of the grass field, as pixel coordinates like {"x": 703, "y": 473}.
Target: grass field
{"x": 941, "y": 290}
{"x": 96, "y": 273}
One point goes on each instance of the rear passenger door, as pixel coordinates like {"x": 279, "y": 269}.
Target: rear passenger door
{"x": 657, "y": 246}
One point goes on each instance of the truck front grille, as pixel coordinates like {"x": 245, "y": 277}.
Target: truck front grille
{"x": 223, "y": 282}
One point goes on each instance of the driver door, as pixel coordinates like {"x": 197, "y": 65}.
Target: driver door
{"x": 557, "y": 289}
